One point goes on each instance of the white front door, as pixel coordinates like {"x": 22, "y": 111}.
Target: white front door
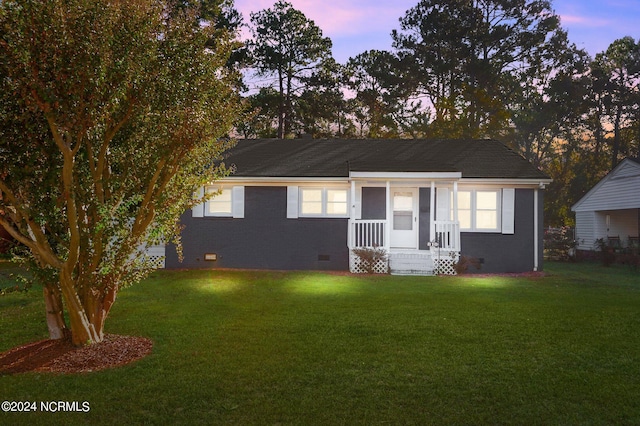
{"x": 404, "y": 220}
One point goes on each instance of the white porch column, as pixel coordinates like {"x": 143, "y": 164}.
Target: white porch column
{"x": 432, "y": 212}
{"x": 352, "y": 214}
{"x": 456, "y": 229}
{"x": 455, "y": 201}
{"x": 389, "y": 215}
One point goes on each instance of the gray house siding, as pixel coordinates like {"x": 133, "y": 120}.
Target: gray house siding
{"x": 500, "y": 253}
{"x": 374, "y": 203}
{"x": 264, "y": 238}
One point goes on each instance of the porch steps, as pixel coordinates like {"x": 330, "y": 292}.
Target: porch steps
{"x": 411, "y": 263}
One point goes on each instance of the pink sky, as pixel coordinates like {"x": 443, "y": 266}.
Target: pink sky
{"x": 355, "y": 26}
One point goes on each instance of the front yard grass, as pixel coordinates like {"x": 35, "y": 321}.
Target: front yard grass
{"x": 245, "y": 347}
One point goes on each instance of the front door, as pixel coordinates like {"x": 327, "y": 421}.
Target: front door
{"x": 404, "y": 226}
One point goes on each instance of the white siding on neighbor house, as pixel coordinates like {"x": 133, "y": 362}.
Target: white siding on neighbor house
{"x": 628, "y": 169}
{"x": 591, "y": 226}
{"x": 585, "y": 230}
{"x": 619, "y": 190}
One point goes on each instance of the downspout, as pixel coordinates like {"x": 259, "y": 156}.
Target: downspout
{"x": 389, "y": 224}
{"x": 432, "y": 214}
{"x": 455, "y": 215}
{"x": 535, "y": 230}
{"x": 352, "y": 215}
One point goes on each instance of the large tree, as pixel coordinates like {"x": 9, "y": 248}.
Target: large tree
{"x": 321, "y": 109}
{"x": 467, "y": 56}
{"x": 549, "y": 104}
{"x": 290, "y": 46}
{"x": 370, "y": 75}
{"x": 616, "y": 84}
{"x": 112, "y": 113}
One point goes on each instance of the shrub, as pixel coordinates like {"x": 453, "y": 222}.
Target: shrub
{"x": 368, "y": 257}
{"x": 462, "y": 265}
{"x": 607, "y": 252}
{"x": 559, "y": 244}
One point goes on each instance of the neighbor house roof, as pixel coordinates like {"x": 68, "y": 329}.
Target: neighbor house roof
{"x": 618, "y": 190}
{"x": 338, "y": 157}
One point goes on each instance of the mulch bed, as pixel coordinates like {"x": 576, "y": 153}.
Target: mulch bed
{"x": 60, "y": 356}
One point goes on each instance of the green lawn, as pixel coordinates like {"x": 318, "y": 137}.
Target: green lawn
{"x": 310, "y": 348}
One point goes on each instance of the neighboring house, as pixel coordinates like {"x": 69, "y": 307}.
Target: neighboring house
{"x": 305, "y": 204}
{"x": 611, "y": 209}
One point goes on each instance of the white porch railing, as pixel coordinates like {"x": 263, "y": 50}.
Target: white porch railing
{"x": 367, "y": 233}
{"x": 447, "y": 234}
{"x": 371, "y": 233}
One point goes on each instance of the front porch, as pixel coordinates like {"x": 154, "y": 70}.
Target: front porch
{"x": 439, "y": 258}
{"x": 413, "y": 217}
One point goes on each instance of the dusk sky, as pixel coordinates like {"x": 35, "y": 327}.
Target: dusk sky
{"x": 355, "y": 26}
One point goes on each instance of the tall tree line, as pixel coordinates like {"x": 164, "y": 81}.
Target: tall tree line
{"x": 501, "y": 69}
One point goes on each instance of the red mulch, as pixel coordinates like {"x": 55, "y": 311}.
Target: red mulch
{"x": 60, "y": 356}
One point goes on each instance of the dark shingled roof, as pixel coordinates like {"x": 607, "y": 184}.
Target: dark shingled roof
{"x": 335, "y": 157}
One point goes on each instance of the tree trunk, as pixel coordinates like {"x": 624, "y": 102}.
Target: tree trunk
{"x": 616, "y": 138}
{"x": 287, "y": 109}
{"x": 83, "y": 332}
{"x": 281, "y": 107}
{"x": 99, "y": 306}
{"x": 54, "y": 313}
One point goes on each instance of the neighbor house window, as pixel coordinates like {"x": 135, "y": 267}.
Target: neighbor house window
{"x": 478, "y": 210}
{"x": 322, "y": 202}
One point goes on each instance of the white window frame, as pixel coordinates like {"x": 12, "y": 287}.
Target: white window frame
{"x": 216, "y": 200}
{"x": 474, "y": 210}
{"x": 324, "y": 201}
{"x": 236, "y": 202}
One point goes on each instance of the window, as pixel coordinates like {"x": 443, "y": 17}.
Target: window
{"x": 403, "y": 211}
{"x": 220, "y": 204}
{"x": 311, "y": 201}
{"x": 464, "y": 209}
{"x": 229, "y": 202}
{"x": 321, "y": 202}
{"x": 337, "y": 202}
{"x": 478, "y": 210}
{"x": 487, "y": 210}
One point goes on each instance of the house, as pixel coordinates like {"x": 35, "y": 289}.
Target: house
{"x": 306, "y": 204}
{"x": 611, "y": 209}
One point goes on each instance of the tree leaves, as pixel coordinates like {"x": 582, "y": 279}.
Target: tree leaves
{"x": 111, "y": 115}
